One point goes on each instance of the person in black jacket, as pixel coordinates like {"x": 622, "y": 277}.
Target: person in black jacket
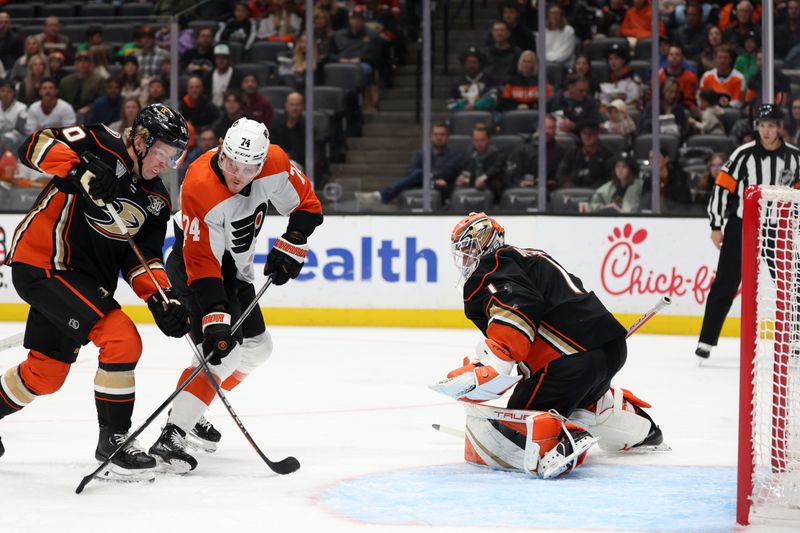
{"x": 485, "y": 167}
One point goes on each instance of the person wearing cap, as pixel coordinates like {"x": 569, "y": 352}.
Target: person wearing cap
{"x": 588, "y": 164}
{"x": 767, "y": 160}
{"x": 150, "y": 57}
{"x": 223, "y": 76}
{"x": 746, "y": 61}
{"x": 623, "y": 83}
{"x": 82, "y": 87}
{"x": 687, "y": 80}
{"x": 240, "y": 28}
{"x": 476, "y": 89}
{"x": 619, "y": 121}
{"x": 622, "y": 193}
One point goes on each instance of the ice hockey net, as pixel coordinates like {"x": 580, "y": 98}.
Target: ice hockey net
{"x": 769, "y": 404}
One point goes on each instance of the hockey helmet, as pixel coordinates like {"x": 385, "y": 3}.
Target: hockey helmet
{"x": 166, "y": 125}
{"x": 473, "y": 237}
{"x": 768, "y": 112}
{"x": 245, "y": 148}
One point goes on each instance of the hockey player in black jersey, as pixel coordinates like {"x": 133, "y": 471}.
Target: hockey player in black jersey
{"x": 67, "y": 255}
{"x": 538, "y": 318}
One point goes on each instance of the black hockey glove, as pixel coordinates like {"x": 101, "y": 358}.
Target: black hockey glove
{"x": 217, "y": 335}
{"x": 103, "y": 187}
{"x": 172, "y": 318}
{"x": 286, "y": 257}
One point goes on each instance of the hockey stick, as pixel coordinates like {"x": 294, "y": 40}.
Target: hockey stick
{"x": 448, "y": 430}
{"x": 171, "y": 397}
{"x": 663, "y": 302}
{"x": 12, "y": 342}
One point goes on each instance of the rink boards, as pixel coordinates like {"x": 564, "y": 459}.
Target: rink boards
{"x": 398, "y": 271}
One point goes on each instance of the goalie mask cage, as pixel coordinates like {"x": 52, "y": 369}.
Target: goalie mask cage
{"x": 769, "y": 387}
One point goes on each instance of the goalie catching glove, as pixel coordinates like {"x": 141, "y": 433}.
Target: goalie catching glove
{"x": 286, "y": 257}
{"x": 485, "y": 378}
{"x": 96, "y": 179}
{"x": 171, "y": 316}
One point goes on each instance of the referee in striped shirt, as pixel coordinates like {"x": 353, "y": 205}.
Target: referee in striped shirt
{"x": 765, "y": 161}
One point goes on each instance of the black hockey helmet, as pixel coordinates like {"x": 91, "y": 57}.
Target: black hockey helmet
{"x": 163, "y": 124}
{"x": 768, "y": 112}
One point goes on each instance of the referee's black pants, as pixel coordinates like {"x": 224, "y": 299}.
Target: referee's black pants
{"x": 726, "y": 282}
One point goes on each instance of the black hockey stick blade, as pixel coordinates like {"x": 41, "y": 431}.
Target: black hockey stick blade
{"x": 284, "y": 466}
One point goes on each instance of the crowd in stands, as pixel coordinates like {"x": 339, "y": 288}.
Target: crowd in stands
{"x": 231, "y": 54}
{"x": 599, "y": 105}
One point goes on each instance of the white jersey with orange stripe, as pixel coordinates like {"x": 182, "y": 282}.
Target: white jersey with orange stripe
{"x": 751, "y": 164}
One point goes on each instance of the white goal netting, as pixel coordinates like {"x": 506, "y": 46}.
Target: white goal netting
{"x": 776, "y": 364}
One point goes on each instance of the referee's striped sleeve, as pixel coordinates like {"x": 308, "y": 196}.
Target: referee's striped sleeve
{"x": 725, "y": 184}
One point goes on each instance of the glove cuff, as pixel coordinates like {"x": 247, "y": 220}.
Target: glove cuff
{"x": 296, "y": 250}
{"x": 215, "y": 318}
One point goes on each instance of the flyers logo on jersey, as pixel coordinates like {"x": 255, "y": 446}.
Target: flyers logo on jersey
{"x": 130, "y": 213}
{"x": 245, "y": 230}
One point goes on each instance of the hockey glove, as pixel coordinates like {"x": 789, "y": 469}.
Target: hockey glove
{"x": 217, "y": 335}
{"x": 171, "y": 316}
{"x": 95, "y": 178}
{"x": 475, "y": 382}
{"x": 286, "y": 257}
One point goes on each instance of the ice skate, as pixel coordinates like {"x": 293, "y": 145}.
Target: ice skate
{"x": 564, "y": 456}
{"x": 703, "y": 351}
{"x": 170, "y": 451}
{"x": 130, "y": 464}
{"x": 204, "y": 436}
{"x": 654, "y": 441}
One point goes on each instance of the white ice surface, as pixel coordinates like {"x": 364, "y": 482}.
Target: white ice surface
{"x": 346, "y": 402}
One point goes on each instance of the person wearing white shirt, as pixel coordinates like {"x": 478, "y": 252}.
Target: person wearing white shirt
{"x": 224, "y": 76}
{"x": 13, "y": 115}
{"x": 49, "y": 112}
{"x": 559, "y": 37}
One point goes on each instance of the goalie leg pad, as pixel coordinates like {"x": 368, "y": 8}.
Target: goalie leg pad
{"x": 614, "y": 421}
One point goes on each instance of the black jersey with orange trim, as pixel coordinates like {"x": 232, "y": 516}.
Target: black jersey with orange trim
{"x": 65, "y": 231}
{"x": 535, "y": 310}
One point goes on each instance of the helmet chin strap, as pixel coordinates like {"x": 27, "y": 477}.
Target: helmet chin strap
{"x": 140, "y": 161}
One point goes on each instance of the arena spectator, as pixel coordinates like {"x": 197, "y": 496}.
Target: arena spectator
{"x": 33, "y": 47}
{"x": 710, "y": 114}
{"x": 702, "y": 184}
{"x": 523, "y": 165}
{"x": 787, "y": 30}
{"x": 742, "y": 130}
{"x": 637, "y": 23}
{"x": 131, "y": 81}
{"x": 619, "y": 121}
{"x": 107, "y": 108}
{"x": 559, "y": 37}
{"x": 82, "y": 87}
{"x": 55, "y": 61}
{"x": 36, "y": 72}
{"x": 520, "y": 35}
{"x": 223, "y": 76}
{"x": 256, "y": 105}
{"x": 574, "y": 105}
{"x": 356, "y": 45}
{"x": 588, "y": 165}
{"x": 195, "y": 107}
{"x": 240, "y": 28}
{"x": 200, "y": 59}
{"x": 10, "y": 42}
{"x": 290, "y": 133}
{"x": 475, "y": 90}
{"x": 579, "y": 16}
{"x": 522, "y": 90}
{"x": 130, "y": 108}
{"x": 323, "y": 35}
{"x": 687, "y": 80}
{"x": 714, "y": 39}
{"x": 292, "y": 69}
{"x": 185, "y": 38}
{"x": 692, "y": 35}
{"x": 723, "y": 79}
{"x": 206, "y": 140}
{"x": 674, "y": 190}
{"x": 232, "y": 110}
{"x": 736, "y": 33}
{"x": 781, "y": 85}
{"x": 49, "y": 111}
{"x": 280, "y": 23}
{"x": 583, "y": 67}
{"x": 94, "y": 38}
{"x": 612, "y": 15}
{"x": 672, "y": 115}
{"x": 746, "y": 61}
{"x": 622, "y": 193}
{"x": 501, "y": 56}
{"x": 336, "y": 14}
{"x": 100, "y": 64}
{"x": 13, "y": 115}
{"x": 791, "y": 129}
{"x": 156, "y": 92}
{"x": 484, "y": 168}
{"x": 623, "y": 83}
{"x": 53, "y": 40}
{"x": 150, "y": 57}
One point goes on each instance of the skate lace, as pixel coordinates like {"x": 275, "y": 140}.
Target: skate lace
{"x": 176, "y": 440}
{"x": 132, "y": 448}
{"x": 203, "y": 423}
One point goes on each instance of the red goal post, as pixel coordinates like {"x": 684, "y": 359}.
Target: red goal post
{"x": 769, "y": 388}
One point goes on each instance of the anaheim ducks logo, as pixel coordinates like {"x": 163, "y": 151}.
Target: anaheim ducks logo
{"x": 131, "y": 214}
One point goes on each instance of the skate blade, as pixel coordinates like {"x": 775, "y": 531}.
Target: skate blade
{"x": 556, "y": 469}
{"x": 663, "y": 447}
{"x": 201, "y": 445}
{"x": 175, "y": 467}
{"x": 115, "y": 474}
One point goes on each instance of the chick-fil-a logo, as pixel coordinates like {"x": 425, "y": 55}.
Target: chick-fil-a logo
{"x": 622, "y": 271}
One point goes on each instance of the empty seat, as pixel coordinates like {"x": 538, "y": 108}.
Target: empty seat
{"x": 237, "y": 52}
{"x": 729, "y": 117}
{"x": 642, "y": 50}
{"x": 30, "y": 29}
{"x": 412, "y": 201}
{"x": 717, "y": 143}
{"x": 642, "y": 68}
{"x": 461, "y": 123}
{"x": 329, "y": 99}
{"x": 644, "y": 142}
{"x": 567, "y": 142}
{"x": 507, "y": 144}
{"x": 599, "y": 71}
{"x": 572, "y": 200}
{"x": 97, "y": 12}
{"x": 614, "y": 142}
{"x": 555, "y": 74}
{"x": 520, "y": 199}
{"x": 520, "y": 121}
{"x": 118, "y": 32}
{"x": 598, "y": 48}
{"x": 469, "y": 199}
{"x": 57, "y": 10}
{"x": 141, "y": 10}
{"x": 20, "y": 11}
{"x": 460, "y": 143}
{"x": 197, "y": 24}
{"x": 266, "y": 51}
{"x": 343, "y": 75}
{"x": 75, "y": 32}
{"x": 277, "y": 94}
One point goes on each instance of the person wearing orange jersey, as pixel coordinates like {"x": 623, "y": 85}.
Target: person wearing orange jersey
{"x": 224, "y": 201}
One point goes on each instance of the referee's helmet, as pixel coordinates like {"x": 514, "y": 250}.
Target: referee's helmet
{"x": 769, "y": 112}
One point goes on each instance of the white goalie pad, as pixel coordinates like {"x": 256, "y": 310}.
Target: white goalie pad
{"x": 500, "y": 449}
{"x": 614, "y": 422}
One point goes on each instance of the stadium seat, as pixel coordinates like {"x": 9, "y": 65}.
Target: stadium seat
{"x": 598, "y": 48}
{"x": 717, "y": 143}
{"x": 642, "y": 68}
{"x": 573, "y": 200}
{"x": 277, "y": 94}
{"x": 508, "y": 143}
{"x": 197, "y": 24}
{"x": 102, "y": 13}
{"x": 237, "y": 52}
{"x": 30, "y": 29}
{"x": 461, "y": 123}
{"x": 729, "y": 117}
{"x": 412, "y": 201}
{"x": 555, "y": 74}
{"x": 460, "y": 143}
{"x": 322, "y": 126}
{"x": 121, "y": 32}
{"x": 20, "y": 11}
{"x": 567, "y": 142}
{"x": 467, "y": 200}
{"x": 518, "y": 122}
{"x": 140, "y": 10}
{"x": 329, "y": 99}
{"x": 644, "y": 141}
{"x": 76, "y": 32}
{"x": 57, "y": 10}
{"x": 614, "y": 142}
{"x": 520, "y": 199}
{"x": 262, "y": 71}
{"x": 265, "y": 51}
{"x": 599, "y": 71}
{"x": 642, "y": 50}
{"x": 346, "y": 76}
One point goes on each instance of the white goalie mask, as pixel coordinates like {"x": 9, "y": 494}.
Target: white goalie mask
{"x": 245, "y": 148}
{"x": 473, "y": 237}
